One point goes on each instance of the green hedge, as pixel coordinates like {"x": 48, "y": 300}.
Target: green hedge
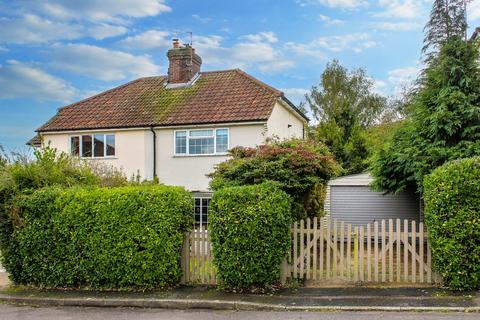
{"x": 128, "y": 237}
{"x": 250, "y": 232}
{"x": 452, "y": 213}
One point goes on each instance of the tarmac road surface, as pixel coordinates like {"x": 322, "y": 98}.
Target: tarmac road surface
{"x": 17, "y": 312}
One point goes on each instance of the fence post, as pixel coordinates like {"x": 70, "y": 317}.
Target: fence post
{"x": 184, "y": 259}
{"x": 284, "y": 271}
{"x": 369, "y": 253}
{"x": 315, "y": 251}
{"x": 375, "y": 239}
{"x": 422, "y": 258}
{"x": 399, "y": 253}
{"x": 405, "y": 249}
{"x": 308, "y": 231}
{"x": 384, "y": 247}
{"x": 295, "y": 250}
{"x": 355, "y": 253}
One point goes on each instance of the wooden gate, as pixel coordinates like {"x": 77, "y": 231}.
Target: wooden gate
{"x": 197, "y": 259}
{"x": 390, "y": 251}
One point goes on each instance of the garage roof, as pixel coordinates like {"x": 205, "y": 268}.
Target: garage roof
{"x": 361, "y": 179}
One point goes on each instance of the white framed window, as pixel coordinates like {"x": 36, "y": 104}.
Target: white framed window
{"x": 98, "y": 145}
{"x": 201, "y": 141}
{"x": 201, "y": 211}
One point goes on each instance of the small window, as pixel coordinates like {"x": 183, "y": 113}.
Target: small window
{"x": 98, "y": 145}
{"x": 87, "y": 146}
{"x": 180, "y": 142}
{"x": 201, "y": 211}
{"x": 222, "y": 140}
{"x": 75, "y": 146}
{"x": 110, "y": 144}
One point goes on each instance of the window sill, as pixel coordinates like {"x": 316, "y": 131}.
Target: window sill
{"x": 98, "y": 158}
{"x": 200, "y": 155}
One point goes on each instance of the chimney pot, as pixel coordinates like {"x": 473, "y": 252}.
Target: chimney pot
{"x": 176, "y": 44}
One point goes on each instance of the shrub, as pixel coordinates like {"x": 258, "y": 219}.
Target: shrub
{"x": 452, "y": 213}
{"x": 300, "y": 168}
{"x": 126, "y": 237}
{"x": 250, "y": 232}
{"x": 20, "y": 174}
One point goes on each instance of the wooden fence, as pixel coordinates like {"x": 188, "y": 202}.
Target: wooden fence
{"x": 323, "y": 251}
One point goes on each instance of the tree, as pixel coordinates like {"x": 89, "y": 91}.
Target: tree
{"x": 301, "y": 168}
{"x": 345, "y": 106}
{"x": 445, "y": 123}
{"x": 447, "y": 20}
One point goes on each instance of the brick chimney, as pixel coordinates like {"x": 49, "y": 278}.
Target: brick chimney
{"x": 184, "y": 63}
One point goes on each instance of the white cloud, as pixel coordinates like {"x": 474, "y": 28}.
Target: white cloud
{"x": 400, "y": 77}
{"x": 347, "y": 4}
{"x": 103, "y": 30}
{"x": 398, "y": 26}
{"x": 33, "y": 29}
{"x": 307, "y": 49}
{"x": 356, "y": 42}
{"x": 261, "y": 37}
{"x": 201, "y": 19}
{"x": 405, "y": 9}
{"x": 251, "y": 50}
{"x": 296, "y": 95}
{"x": 328, "y": 20}
{"x": 3, "y": 49}
{"x": 19, "y": 80}
{"x": 148, "y": 40}
{"x": 105, "y": 10}
{"x": 380, "y": 87}
{"x": 101, "y": 63}
{"x": 474, "y": 10}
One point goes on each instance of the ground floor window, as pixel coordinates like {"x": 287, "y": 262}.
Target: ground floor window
{"x": 201, "y": 211}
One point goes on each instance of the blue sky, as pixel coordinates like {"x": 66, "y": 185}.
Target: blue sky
{"x": 59, "y": 51}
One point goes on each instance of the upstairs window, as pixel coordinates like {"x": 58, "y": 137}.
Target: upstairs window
{"x": 201, "y": 142}
{"x": 97, "y": 145}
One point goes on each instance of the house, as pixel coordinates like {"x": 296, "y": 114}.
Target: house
{"x": 175, "y": 127}
{"x": 350, "y": 199}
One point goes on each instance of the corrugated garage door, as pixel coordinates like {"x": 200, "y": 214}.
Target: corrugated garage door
{"x": 359, "y": 205}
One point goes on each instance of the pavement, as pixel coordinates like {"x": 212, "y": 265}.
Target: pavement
{"x": 301, "y": 299}
{"x": 15, "y": 312}
{"x": 368, "y": 299}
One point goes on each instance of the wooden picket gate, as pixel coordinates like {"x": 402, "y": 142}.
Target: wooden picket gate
{"x": 197, "y": 259}
{"x": 388, "y": 251}
{"x": 332, "y": 252}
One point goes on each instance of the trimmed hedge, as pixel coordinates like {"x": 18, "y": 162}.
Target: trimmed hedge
{"x": 128, "y": 237}
{"x": 250, "y": 233}
{"x": 452, "y": 213}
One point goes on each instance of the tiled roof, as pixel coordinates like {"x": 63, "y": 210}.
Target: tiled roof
{"x": 35, "y": 141}
{"x": 216, "y": 97}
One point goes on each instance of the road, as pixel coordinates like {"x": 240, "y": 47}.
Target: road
{"x": 14, "y": 312}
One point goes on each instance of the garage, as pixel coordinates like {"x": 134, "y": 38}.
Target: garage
{"x": 350, "y": 199}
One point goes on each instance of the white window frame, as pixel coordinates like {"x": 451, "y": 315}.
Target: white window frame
{"x": 92, "y": 135}
{"x": 187, "y": 132}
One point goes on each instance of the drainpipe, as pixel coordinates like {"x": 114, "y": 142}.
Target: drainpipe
{"x": 154, "y": 152}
